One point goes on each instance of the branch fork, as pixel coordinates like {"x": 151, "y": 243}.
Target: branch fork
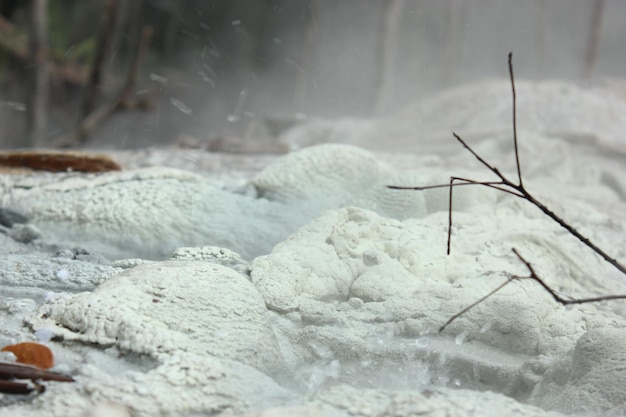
{"x": 517, "y": 189}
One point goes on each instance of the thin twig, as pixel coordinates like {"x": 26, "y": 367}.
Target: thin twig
{"x": 520, "y": 191}
{"x": 467, "y": 181}
{"x": 514, "y": 95}
{"x": 460, "y": 181}
{"x": 474, "y": 304}
{"x": 533, "y": 276}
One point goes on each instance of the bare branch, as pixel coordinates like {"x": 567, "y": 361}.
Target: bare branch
{"x": 474, "y": 304}
{"x": 520, "y": 191}
{"x": 102, "y": 49}
{"x": 533, "y": 276}
{"x": 512, "y": 78}
{"x": 466, "y": 181}
{"x": 123, "y": 101}
{"x": 480, "y": 159}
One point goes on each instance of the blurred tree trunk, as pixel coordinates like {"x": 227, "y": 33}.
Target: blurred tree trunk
{"x": 38, "y": 109}
{"x": 8, "y": 7}
{"x": 103, "y": 46}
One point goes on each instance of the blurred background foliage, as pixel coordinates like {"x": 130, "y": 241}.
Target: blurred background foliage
{"x": 115, "y": 73}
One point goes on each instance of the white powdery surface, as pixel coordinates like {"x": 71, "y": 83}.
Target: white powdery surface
{"x": 151, "y": 212}
{"x": 370, "y": 292}
{"x": 146, "y": 213}
{"x": 358, "y": 300}
{"x": 322, "y": 292}
{"x": 169, "y": 306}
{"x": 201, "y": 329}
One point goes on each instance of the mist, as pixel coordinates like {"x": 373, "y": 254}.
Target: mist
{"x": 223, "y": 70}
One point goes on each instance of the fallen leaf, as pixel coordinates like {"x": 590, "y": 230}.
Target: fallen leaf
{"x": 32, "y": 354}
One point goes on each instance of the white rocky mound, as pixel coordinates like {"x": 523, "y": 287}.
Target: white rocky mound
{"x": 313, "y": 290}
